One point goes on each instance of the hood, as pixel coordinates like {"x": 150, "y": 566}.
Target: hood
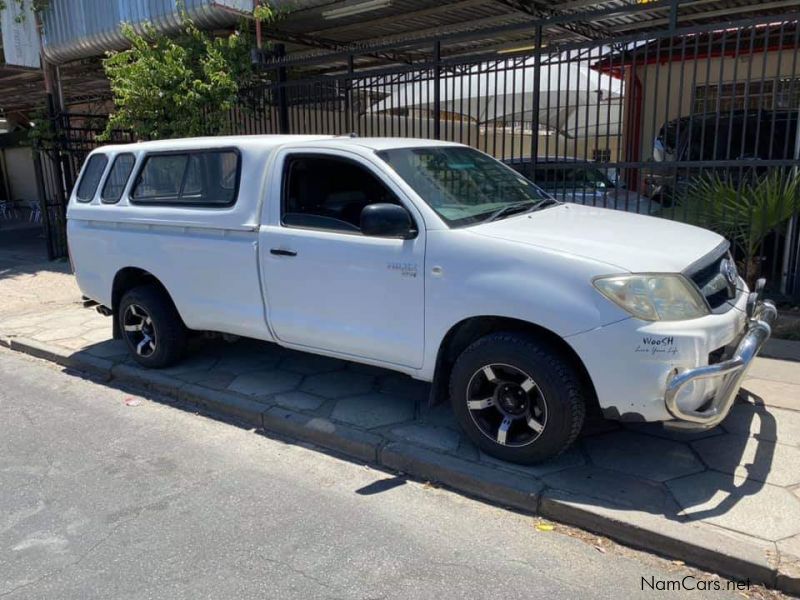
{"x": 630, "y": 242}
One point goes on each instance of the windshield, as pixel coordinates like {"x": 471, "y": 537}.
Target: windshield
{"x": 462, "y": 185}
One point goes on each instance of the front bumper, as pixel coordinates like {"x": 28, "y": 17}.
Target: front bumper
{"x": 726, "y": 375}
{"x": 630, "y": 363}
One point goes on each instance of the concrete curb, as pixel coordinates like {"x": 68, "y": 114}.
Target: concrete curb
{"x": 66, "y": 358}
{"x": 476, "y": 480}
{"x": 356, "y": 443}
{"x": 694, "y": 543}
{"x": 242, "y": 409}
{"x": 697, "y": 544}
{"x": 789, "y": 575}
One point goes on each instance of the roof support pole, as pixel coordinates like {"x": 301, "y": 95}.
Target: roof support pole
{"x": 348, "y": 96}
{"x": 437, "y": 100}
{"x": 258, "y": 25}
{"x": 792, "y": 231}
{"x": 280, "y": 91}
{"x": 537, "y": 72}
{"x": 53, "y": 210}
{"x": 673, "y": 15}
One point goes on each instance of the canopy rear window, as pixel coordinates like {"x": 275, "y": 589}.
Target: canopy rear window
{"x": 90, "y": 179}
{"x": 117, "y": 178}
{"x": 192, "y": 178}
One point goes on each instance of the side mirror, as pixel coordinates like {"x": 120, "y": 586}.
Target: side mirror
{"x": 387, "y": 220}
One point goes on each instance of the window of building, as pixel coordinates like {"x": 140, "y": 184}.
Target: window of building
{"x": 601, "y": 154}
{"x": 91, "y": 177}
{"x": 196, "y": 178}
{"x": 117, "y": 178}
{"x": 325, "y": 192}
{"x": 772, "y": 94}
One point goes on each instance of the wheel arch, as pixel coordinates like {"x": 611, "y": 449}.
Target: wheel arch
{"x": 468, "y": 330}
{"x": 128, "y": 278}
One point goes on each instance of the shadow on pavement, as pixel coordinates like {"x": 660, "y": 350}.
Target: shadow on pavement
{"x": 381, "y": 485}
{"x": 23, "y": 251}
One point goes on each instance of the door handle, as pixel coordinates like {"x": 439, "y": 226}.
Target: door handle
{"x": 282, "y": 252}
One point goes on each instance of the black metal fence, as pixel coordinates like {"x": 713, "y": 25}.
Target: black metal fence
{"x": 695, "y": 123}
{"x": 57, "y": 160}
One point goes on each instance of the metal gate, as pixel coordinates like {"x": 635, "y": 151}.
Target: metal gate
{"x": 58, "y": 158}
{"x": 682, "y": 122}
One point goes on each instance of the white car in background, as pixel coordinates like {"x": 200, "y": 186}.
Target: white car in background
{"x": 428, "y": 258}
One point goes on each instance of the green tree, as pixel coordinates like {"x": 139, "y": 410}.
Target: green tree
{"x": 179, "y": 86}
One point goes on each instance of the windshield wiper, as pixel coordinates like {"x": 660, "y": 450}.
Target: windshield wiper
{"x": 510, "y": 209}
{"x": 544, "y": 202}
{"x": 519, "y": 207}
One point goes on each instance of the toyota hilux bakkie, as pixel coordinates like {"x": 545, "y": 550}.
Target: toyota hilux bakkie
{"x": 425, "y": 257}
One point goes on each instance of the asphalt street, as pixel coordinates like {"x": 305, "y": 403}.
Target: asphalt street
{"x": 108, "y": 494}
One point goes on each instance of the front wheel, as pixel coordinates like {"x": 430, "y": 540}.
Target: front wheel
{"x": 517, "y": 398}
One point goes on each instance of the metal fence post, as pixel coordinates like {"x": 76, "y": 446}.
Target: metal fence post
{"x": 437, "y": 100}
{"x": 42, "y": 191}
{"x": 348, "y": 96}
{"x": 792, "y": 238}
{"x": 54, "y": 215}
{"x": 283, "y": 105}
{"x": 537, "y": 72}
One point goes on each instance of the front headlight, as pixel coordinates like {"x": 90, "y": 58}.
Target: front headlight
{"x": 660, "y": 297}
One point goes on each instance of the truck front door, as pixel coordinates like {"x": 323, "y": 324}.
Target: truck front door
{"x": 328, "y": 287}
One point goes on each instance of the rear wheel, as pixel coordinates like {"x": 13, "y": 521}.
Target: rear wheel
{"x": 517, "y": 398}
{"x": 151, "y": 327}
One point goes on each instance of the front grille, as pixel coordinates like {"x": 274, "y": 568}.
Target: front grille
{"x": 711, "y": 281}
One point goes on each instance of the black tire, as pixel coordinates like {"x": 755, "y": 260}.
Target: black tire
{"x": 531, "y": 392}
{"x": 161, "y": 338}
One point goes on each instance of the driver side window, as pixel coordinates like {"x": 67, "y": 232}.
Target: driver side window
{"x": 329, "y": 193}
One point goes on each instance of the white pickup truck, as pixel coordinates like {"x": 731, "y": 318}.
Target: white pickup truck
{"x": 429, "y": 258}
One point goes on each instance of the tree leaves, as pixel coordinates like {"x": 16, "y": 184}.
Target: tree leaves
{"x": 175, "y": 87}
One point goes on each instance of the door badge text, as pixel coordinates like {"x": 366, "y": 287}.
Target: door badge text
{"x": 405, "y": 269}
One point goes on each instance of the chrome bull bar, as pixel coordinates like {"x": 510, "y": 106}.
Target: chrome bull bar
{"x": 761, "y": 316}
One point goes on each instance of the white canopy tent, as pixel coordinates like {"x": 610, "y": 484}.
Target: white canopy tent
{"x": 573, "y": 100}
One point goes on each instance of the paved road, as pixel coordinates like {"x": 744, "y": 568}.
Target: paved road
{"x": 101, "y": 499}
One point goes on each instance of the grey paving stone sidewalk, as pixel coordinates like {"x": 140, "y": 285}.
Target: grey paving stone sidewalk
{"x": 739, "y": 483}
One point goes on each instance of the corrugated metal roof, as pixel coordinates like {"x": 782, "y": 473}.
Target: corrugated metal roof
{"x": 75, "y": 29}
{"x": 81, "y": 28}
{"x": 493, "y": 25}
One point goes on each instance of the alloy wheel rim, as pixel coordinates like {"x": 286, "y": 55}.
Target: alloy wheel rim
{"x": 506, "y": 405}
{"x": 139, "y": 329}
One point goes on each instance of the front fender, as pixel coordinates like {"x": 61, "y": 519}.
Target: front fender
{"x": 468, "y": 277}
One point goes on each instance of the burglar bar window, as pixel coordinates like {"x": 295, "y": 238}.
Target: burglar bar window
{"x": 601, "y": 154}
{"x": 754, "y": 95}
{"x": 788, "y": 93}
